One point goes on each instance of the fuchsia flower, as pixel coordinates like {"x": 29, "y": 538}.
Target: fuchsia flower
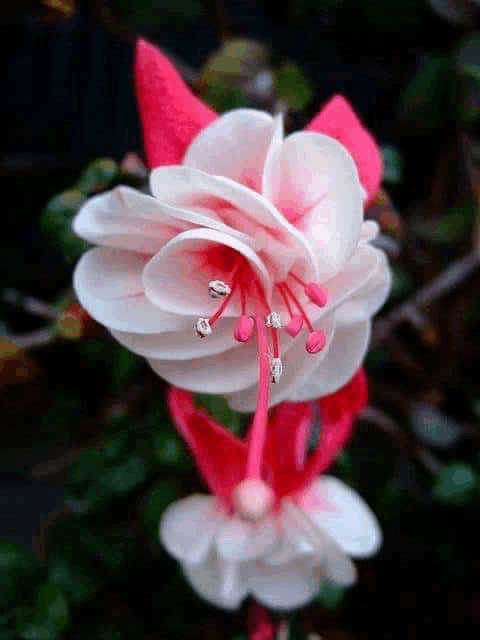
{"x": 272, "y": 528}
{"x": 246, "y": 232}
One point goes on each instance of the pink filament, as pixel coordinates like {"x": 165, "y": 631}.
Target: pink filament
{"x": 299, "y": 306}
{"x": 259, "y": 425}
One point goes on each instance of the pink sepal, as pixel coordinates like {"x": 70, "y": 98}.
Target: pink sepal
{"x": 338, "y": 120}
{"x": 170, "y": 114}
{"x": 220, "y": 457}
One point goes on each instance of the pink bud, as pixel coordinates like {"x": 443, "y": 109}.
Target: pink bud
{"x": 295, "y": 326}
{"x": 316, "y": 341}
{"x": 243, "y": 329}
{"x": 316, "y": 294}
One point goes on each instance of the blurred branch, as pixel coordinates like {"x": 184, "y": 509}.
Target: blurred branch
{"x": 388, "y": 426}
{"x": 29, "y": 304}
{"x": 38, "y": 338}
{"x": 453, "y": 275}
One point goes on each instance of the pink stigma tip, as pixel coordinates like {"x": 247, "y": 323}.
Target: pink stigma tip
{"x": 243, "y": 329}
{"x": 295, "y": 326}
{"x": 316, "y": 341}
{"x": 316, "y": 294}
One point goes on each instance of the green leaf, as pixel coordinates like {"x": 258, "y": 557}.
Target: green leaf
{"x": 456, "y": 484}
{"x": 124, "y": 477}
{"x": 425, "y": 98}
{"x": 219, "y": 409}
{"x": 56, "y": 223}
{"x": 224, "y": 98}
{"x": 78, "y": 582}
{"x": 296, "y": 630}
{"x": 86, "y": 467}
{"x": 451, "y": 227}
{"x": 331, "y": 596}
{"x": 163, "y": 494}
{"x": 98, "y": 176}
{"x": 16, "y": 567}
{"x": 293, "y": 87}
{"x": 402, "y": 283}
{"x": 49, "y": 615}
{"x": 125, "y": 365}
{"x": 392, "y": 165}
{"x": 170, "y": 450}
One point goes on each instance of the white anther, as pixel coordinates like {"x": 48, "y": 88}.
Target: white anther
{"x": 273, "y": 321}
{"x": 218, "y": 289}
{"x": 203, "y": 328}
{"x": 276, "y": 369}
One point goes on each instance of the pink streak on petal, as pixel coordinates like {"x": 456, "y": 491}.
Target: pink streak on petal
{"x": 170, "y": 114}
{"x": 220, "y": 457}
{"x": 338, "y": 120}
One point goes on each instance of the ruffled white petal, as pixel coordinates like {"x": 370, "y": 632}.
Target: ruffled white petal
{"x": 313, "y": 179}
{"x": 182, "y": 344}
{"x": 226, "y": 372}
{"x": 108, "y": 285}
{"x": 344, "y": 516}
{"x": 246, "y": 131}
{"x": 188, "y": 527}
{"x": 176, "y": 279}
{"x": 343, "y": 358}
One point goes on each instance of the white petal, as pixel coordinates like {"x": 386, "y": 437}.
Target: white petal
{"x": 176, "y": 279}
{"x": 217, "y": 582}
{"x": 370, "y": 297}
{"x": 345, "y": 355}
{"x": 233, "y": 539}
{"x": 314, "y": 181}
{"x": 186, "y": 187}
{"x": 344, "y": 516}
{"x": 338, "y": 568}
{"x": 183, "y": 344}
{"x": 370, "y": 230}
{"x": 226, "y": 372}
{"x": 234, "y": 145}
{"x": 283, "y": 586}
{"x": 188, "y": 526}
{"x": 108, "y": 285}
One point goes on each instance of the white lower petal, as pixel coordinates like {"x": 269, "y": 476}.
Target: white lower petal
{"x": 224, "y": 373}
{"x": 188, "y": 527}
{"x": 338, "y": 568}
{"x": 182, "y": 344}
{"x": 282, "y": 587}
{"x": 211, "y": 583}
{"x": 346, "y": 353}
{"x": 108, "y": 285}
{"x": 343, "y": 515}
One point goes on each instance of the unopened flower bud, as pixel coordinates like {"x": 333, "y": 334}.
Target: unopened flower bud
{"x": 276, "y": 369}
{"x": 218, "y": 289}
{"x": 273, "y": 321}
{"x": 203, "y": 328}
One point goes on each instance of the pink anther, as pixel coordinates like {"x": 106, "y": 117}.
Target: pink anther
{"x": 316, "y": 294}
{"x": 295, "y": 326}
{"x": 316, "y": 341}
{"x": 243, "y": 329}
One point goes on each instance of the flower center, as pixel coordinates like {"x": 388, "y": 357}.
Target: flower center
{"x": 257, "y": 316}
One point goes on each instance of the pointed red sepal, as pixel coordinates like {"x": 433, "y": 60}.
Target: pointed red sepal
{"x": 260, "y": 625}
{"x": 170, "y": 114}
{"x": 352, "y": 397}
{"x": 285, "y": 447}
{"x": 338, "y": 120}
{"x": 220, "y": 456}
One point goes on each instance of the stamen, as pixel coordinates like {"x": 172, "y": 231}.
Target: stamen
{"x": 259, "y": 424}
{"x": 273, "y": 320}
{"x": 276, "y": 369}
{"x": 316, "y": 341}
{"x": 295, "y": 326}
{"x": 243, "y": 329}
{"x": 314, "y": 292}
{"x": 224, "y": 304}
{"x": 299, "y": 306}
{"x": 203, "y": 328}
{"x": 218, "y": 289}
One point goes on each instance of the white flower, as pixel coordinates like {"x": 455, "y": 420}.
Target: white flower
{"x": 275, "y": 223}
{"x": 280, "y": 557}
